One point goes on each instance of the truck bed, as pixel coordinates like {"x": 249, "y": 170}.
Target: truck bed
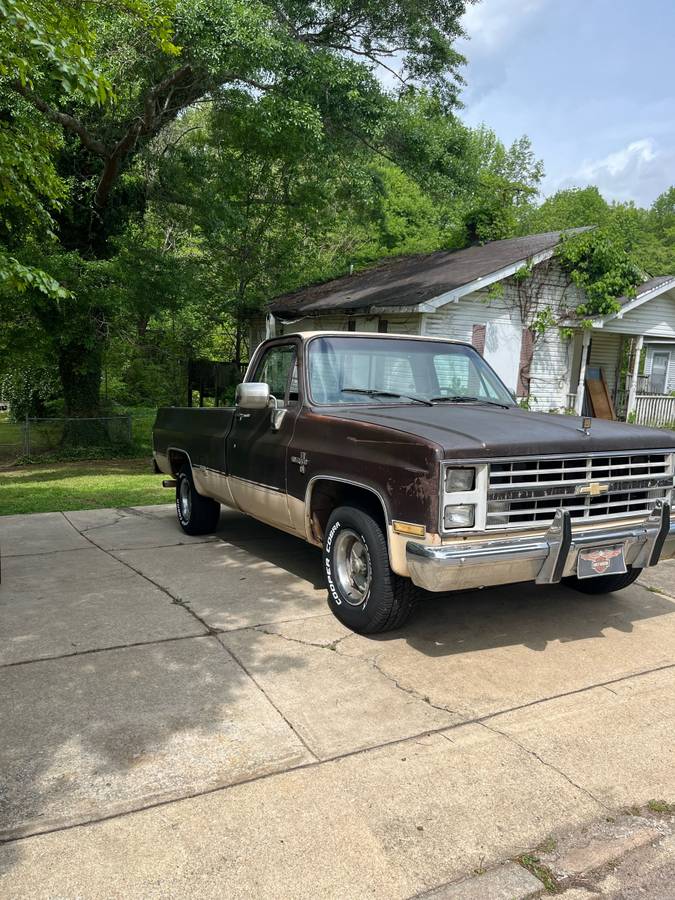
{"x": 199, "y": 432}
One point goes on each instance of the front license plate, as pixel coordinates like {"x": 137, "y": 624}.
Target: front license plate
{"x": 601, "y": 561}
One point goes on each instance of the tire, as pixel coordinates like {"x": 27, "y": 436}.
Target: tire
{"x": 363, "y": 592}
{"x": 196, "y": 514}
{"x": 603, "y": 584}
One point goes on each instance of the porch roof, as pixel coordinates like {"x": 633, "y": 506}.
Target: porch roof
{"x": 650, "y": 313}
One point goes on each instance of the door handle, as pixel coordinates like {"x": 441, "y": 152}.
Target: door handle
{"x": 243, "y": 415}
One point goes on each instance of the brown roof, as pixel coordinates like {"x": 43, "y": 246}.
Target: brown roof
{"x": 411, "y": 280}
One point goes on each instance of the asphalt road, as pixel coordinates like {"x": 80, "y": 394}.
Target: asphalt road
{"x": 184, "y": 717}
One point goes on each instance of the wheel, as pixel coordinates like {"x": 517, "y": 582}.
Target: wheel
{"x": 196, "y": 514}
{"x": 363, "y": 592}
{"x": 603, "y": 584}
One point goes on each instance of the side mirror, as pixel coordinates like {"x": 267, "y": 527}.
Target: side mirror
{"x": 253, "y": 395}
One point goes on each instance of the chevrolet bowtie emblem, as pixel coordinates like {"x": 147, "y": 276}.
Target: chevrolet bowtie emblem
{"x": 594, "y": 489}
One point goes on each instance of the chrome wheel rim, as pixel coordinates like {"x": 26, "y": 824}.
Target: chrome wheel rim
{"x": 185, "y": 499}
{"x": 352, "y": 564}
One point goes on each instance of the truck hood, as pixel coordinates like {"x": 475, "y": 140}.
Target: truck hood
{"x": 475, "y": 431}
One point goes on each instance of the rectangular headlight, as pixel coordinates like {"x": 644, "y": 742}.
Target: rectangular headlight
{"x": 459, "y": 480}
{"x": 459, "y": 516}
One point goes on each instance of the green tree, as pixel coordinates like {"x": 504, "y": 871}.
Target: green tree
{"x": 656, "y": 243}
{"x": 507, "y": 181}
{"x": 318, "y": 57}
{"x": 569, "y": 208}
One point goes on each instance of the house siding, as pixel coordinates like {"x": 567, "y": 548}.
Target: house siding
{"x": 655, "y": 318}
{"x": 552, "y": 360}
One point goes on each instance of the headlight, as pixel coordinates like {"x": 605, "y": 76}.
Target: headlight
{"x": 458, "y": 480}
{"x": 459, "y": 516}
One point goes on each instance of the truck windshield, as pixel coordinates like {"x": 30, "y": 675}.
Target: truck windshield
{"x": 353, "y": 370}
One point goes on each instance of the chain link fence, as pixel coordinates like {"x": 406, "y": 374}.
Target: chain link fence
{"x": 103, "y": 436}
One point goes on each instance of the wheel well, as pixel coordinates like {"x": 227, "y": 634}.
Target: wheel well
{"x": 177, "y": 459}
{"x": 327, "y": 495}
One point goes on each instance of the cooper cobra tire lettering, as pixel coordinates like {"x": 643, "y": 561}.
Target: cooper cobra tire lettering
{"x": 329, "y": 574}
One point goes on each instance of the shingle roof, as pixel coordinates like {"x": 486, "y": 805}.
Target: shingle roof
{"x": 411, "y": 280}
{"x": 648, "y": 286}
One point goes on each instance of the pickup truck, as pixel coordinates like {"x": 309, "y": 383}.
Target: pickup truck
{"x": 410, "y": 464}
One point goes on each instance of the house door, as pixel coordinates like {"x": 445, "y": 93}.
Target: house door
{"x": 659, "y": 376}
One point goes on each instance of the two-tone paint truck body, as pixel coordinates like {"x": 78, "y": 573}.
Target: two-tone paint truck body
{"x": 408, "y": 462}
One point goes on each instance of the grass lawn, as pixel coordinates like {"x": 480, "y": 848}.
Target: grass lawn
{"x": 94, "y": 484}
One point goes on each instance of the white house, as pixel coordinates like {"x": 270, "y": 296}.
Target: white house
{"x": 480, "y": 295}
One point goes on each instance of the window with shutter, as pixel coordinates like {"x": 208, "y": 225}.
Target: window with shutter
{"x": 478, "y": 338}
{"x": 526, "y": 354}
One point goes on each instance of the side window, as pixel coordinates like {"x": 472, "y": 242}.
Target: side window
{"x": 278, "y": 368}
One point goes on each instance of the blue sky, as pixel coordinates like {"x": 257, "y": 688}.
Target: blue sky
{"x": 592, "y": 82}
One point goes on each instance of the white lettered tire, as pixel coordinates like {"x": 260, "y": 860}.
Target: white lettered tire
{"x": 363, "y": 592}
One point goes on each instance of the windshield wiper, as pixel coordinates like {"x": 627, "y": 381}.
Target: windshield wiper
{"x": 373, "y": 393}
{"x": 460, "y": 399}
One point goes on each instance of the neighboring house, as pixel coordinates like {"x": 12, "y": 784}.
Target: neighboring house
{"x": 495, "y": 296}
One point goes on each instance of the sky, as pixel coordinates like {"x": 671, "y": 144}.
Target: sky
{"x": 592, "y": 82}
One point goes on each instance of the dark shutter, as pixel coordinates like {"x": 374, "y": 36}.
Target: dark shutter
{"x": 526, "y": 354}
{"x": 478, "y": 338}
{"x": 382, "y": 326}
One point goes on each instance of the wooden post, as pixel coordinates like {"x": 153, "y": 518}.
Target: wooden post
{"x": 635, "y": 372}
{"x": 581, "y": 388}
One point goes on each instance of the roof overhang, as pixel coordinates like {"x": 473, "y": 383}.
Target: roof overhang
{"x": 637, "y": 302}
{"x": 484, "y": 281}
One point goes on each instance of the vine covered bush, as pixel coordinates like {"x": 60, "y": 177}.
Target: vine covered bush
{"x": 602, "y": 269}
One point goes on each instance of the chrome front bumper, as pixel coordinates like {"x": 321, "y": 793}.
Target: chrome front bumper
{"x": 545, "y": 559}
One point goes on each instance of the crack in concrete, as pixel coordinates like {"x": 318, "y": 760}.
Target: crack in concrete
{"x": 96, "y": 527}
{"x": 544, "y": 762}
{"x": 372, "y": 661}
{"x": 174, "y": 599}
{"x": 89, "y": 651}
{"x": 264, "y": 628}
{"x": 262, "y": 690}
{"x": 407, "y": 690}
{"x": 7, "y": 556}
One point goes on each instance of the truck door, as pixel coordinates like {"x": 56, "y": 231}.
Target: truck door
{"x": 256, "y": 453}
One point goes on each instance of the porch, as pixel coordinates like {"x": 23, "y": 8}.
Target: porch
{"x": 630, "y": 377}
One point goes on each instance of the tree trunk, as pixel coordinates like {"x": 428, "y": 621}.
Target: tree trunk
{"x": 80, "y": 368}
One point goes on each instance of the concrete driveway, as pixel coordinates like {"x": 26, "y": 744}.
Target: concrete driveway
{"x": 184, "y": 717}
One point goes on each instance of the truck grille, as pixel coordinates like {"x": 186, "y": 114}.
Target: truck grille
{"x": 527, "y": 492}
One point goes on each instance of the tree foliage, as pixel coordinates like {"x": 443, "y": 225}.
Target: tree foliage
{"x": 168, "y": 165}
{"x": 601, "y": 268}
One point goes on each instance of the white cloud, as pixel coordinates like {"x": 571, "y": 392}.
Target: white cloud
{"x": 491, "y": 24}
{"x": 637, "y": 172}
{"x": 635, "y": 157}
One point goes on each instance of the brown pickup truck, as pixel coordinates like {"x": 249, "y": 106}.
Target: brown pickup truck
{"x": 409, "y": 463}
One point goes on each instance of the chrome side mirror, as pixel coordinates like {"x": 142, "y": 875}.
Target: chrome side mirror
{"x": 253, "y": 395}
